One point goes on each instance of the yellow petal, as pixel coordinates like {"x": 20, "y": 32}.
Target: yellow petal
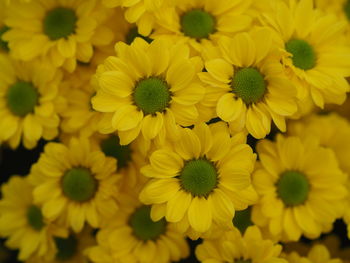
{"x": 67, "y": 47}
{"x": 235, "y": 179}
{"x": 116, "y": 83}
{"x": 229, "y": 108}
{"x": 220, "y": 70}
{"x": 177, "y": 206}
{"x": 126, "y": 118}
{"x": 190, "y": 95}
{"x": 220, "y": 147}
{"x": 200, "y": 214}
{"x": 159, "y": 191}
{"x": 128, "y": 136}
{"x": 180, "y": 74}
{"x": 257, "y": 123}
{"x": 188, "y": 147}
{"x": 185, "y": 115}
{"x": 205, "y": 137}
{"x": 151, "y": 125}
{"x": 166, "y": 160}
{"x": 304, "y": 18}
{"x": 222, "y": 206}
{"x": 158, "y": 53}
{"x": 158, "y": 211}
{"x": 32, "y": 129}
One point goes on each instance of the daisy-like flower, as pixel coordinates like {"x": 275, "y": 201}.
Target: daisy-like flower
{"x": 29, "y": 102}
{"x": 141, "y": 12}
{"x": 132, "y": 236}
{"x": 200, "y": 22}
{"x": 75, "y": 184}
{"x": 301, "y": 187}
{"x": 70, "y": 249}
{"x": 197, "y": 182}
{"x": 233, "y": 248}
{"x": 246, "y": 83}
{"x": 317, "y": 254}
{"x": 22, "y": 221}
{"x": 316, "y": 58}
{"x": 60, "y": 32}
{"x": 148, "y": 88}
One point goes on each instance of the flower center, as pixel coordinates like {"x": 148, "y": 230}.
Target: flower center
{"x": 133, "y": 33}
{"x": 249, "y": 85}
{"x": 66, "y": 247}
{"x": 304, "y": 56}
{"x": 79, "y": 184}
{"x": 242, "y": 219}
{"x": 199, "y": 177}
{"x": 152, "y": 95}
{"x": 22, "y": 98}
{"x": 111, "y": 147}
{"x": 35, "y": 217}
{"x": 142, "y": 225}
{"x": 293, "y": 188}
{"x": 59, "y": 23}
{"x": 4, "y": 44}
{"x": 197, "y": 24}
{"x": 347, "y": 9}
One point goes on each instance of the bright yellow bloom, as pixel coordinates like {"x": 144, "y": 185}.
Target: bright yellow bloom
{"x": 75, "y": 184}
{"x": 22, "y": 221}
{"x": 318, "y": 254}
{"x": 29, "y": 102}
{"x": 301, "y": 187}
{"x": 316, "y": 58}
{"x": 201, "y": 22}
{"x": 70, "y": 249}
{"x": 60, "y": 32}
{"x": 246, "y": 83}
{"x": 148, "y": 88}
{"x": 234, "y": 248}
{"x": 133, "y": 237}
{"x": 197, "y": 182}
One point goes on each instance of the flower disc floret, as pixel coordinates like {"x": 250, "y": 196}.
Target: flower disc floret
{"x": 197, "y": 23}
{"x": 303, "y": 54}
{"x": 152, "y": 95}
{"x": 35, "y": 217}
{"x": 293, "y": 188}
{"x": 59, "y": 23}
{"x": 66, "y": 247}
{"x": 79, "y": 185}
{"x": 22, "y": 98}
{"x": 249, "y": 85}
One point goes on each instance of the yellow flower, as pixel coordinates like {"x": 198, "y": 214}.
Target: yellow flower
{"x": 201, "y": 22}
{"x": 317, "y": 254}
{"x": 234, "y": 248}
{"x": 316, "y": 57}
{"x": 141, "y": 12}
{"x": 300, "y": 185}
{"x": 195, "y": 182}
{"x": 22, "y": 221}
{"x": 60, "y": 32}
{"x": 70, "y": 249}
{"x": 246, "y": 83}
{"x": 75, "y": 184}
{"x": 29, "y": 102}
{"x": 148, "y": 88}
{"x": 132, "y": 236}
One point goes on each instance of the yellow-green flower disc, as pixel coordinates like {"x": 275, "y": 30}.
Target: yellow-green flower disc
{"x": 303, "y": 54}
{"x": 197, "y": 23}
{"x": 59, "y": 23}
{"x": 35, "y": 217}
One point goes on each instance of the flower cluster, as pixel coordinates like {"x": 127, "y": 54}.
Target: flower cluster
{"x": 175, "y": 120}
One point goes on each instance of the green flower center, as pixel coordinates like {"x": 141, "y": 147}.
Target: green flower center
{"x": 347, "y": 9}
{"x": 35, "y": 217}
{"x": 59, "y": 23}
{"x": 249, "y": 85}
{"x": 304, "y": 56}
{"x": 197, "y": 24}
{"x": 293, "y": 188}
{"x": 242, "y": 219}
{"x": 142, "y": 225}
{"x": 4, "y": 44}
{"x": 133, "y": 33}
{"x": 79, "y": 184}
{"x": 152, "y": 95}
{"x": 66, "y": 247}
{"x": 199, "y": 177}
{"x": 21, "y": 98}
{"x": 111, "y": 147}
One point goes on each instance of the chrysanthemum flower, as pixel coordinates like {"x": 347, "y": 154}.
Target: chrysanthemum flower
{"x": 132, "y": 236}
{"x": 232, "y": 247}
{"x": 75, "y": 184}
{"x": 141, "y": 12}
{"x": 70, "y": 249}
{"x": 29, "y": 102}
{"x": 22, "y": 221}
{"x": 60, "y": 32}
{"x": 301, "y": 187}
{"x": 195, "y": 183}
{"x": 316, "y": 58}
{"x": 200, "y": 22}
{"x": 318, "y": 254}
{"x": 148, "y": 88}
{"x": 246, "y": 84}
